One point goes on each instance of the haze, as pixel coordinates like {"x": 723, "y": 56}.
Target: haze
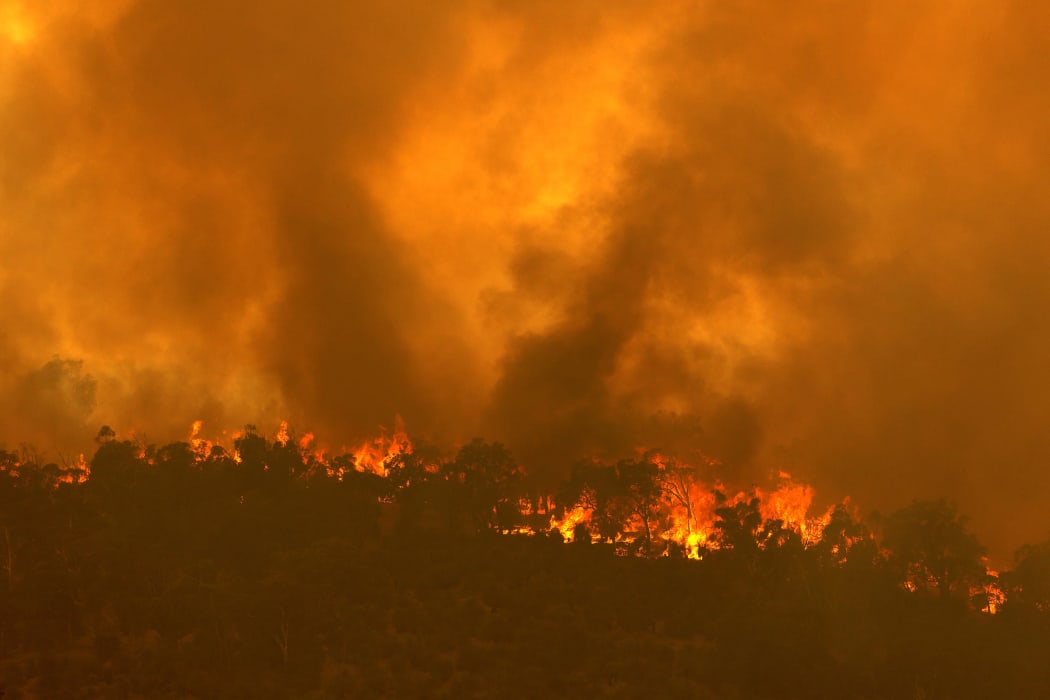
{"x": 801, "y": 238}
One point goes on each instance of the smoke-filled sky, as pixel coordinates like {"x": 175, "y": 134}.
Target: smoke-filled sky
{"x": 811, "y": 237}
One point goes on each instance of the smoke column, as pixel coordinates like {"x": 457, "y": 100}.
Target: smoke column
{"x": 808, "y": 238}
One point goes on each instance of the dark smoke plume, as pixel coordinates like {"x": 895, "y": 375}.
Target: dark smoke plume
{"x": 804, "y": 238}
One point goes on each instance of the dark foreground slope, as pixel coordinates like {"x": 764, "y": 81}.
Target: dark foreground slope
{"x": 491, "y": 617}
{"x": 161, "y": 577}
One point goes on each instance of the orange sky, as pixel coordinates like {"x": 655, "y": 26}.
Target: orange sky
{"x": 809, "y": 237}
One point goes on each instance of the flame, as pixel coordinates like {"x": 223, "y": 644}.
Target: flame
{"x": 688, "y": 505}
{"x": 204, "y": 448}
{"x": 567, "y": 525}
{"x": 53, "y": 476}
{"x": 374, "y": 455}
{"x": 684, "y": 514}
{"x": 77, "y": 472}
{"x": 790, "y": 503}
{"x": 201, "y": 447}
{"x": 991, "y": 592}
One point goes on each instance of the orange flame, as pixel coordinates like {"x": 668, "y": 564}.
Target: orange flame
{"x": 687, "y": 512}
{"x": 567, "y": 525}
{"x": 374, "y": 455}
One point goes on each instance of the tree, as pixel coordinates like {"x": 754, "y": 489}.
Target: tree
{"x": 408, "y": 482}
{"x": 597, "y": 488}
{"x": 736, "y": 524}
{"x": 841, "y": 533}
{"x": 116, "y": 464}
{"x": 775, "y": 535}
{"x": 930, "y": 547}
{"x": 678, "y": 482}
{"x": 176, "y": 457}
{"x": 489, "y": 477}
{"x": 1028, "y": 585}
{"x": 177, "y": 472}
{"x": 639, "y": 487}
{"x": 286, "y": 461}
{"x": 252, "y": 450}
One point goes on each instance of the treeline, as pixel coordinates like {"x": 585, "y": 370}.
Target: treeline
{"x": 271, "y": 571}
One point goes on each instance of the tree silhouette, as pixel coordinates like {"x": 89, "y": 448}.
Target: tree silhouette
{"x": 1028, "y": 584}
{"x": 841, "y": 533}
{"x": 116, "y": 465}
{"x": 169, "y": 558}
{"x": 593, "y": 487}
{"x": 413, "y": 484}
{"x": 489, "y": 478}
{"x": 105, "y": 434}
{"x": 930, "y": 547}
{"x": 737, "y": 524}
{"x": 678, "y": 483}
{"x": 638, "y": 486}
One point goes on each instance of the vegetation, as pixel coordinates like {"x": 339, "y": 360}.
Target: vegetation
{"x": 268, "y": 572}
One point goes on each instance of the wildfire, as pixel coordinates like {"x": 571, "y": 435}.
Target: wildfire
{"x": 28, "y": 467}
{"x": 75, "y": 473}
{"x": 991, "y": 593}
{"x": 567, "y": 525}
{"x": 374, "y": 455}
{"x": 651, "y": 505}
{"x": 204, "y": 448}
{"x": 199, "y": 445}
{"x": 686, "y": 510}
{"x": 790, "y": 503}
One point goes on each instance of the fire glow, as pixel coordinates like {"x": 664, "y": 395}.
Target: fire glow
{"x": 651, "y": 506}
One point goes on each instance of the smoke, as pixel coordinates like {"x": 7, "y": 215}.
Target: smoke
{"x": 810, "y": 239}
{"x": 55, "y": 398}
{"x": 188, "y": 211}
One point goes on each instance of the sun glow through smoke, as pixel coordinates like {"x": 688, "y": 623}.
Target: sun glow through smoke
{"x": 15, "y": 24}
